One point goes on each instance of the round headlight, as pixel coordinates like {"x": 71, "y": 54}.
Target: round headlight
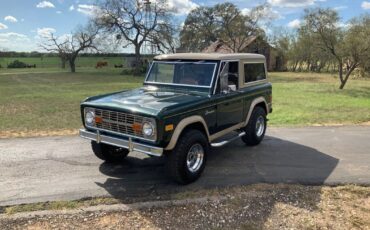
{"x": 148, "y": 129}
{"x": 89, "y": 117}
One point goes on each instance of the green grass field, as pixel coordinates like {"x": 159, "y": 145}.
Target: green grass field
{"x": 314, "y": 99}
{"x": 31, "y": 103}
{"x": 50, "y": 101}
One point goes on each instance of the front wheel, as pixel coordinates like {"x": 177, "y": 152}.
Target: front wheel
{"x": 109, "y": 153}
{"x": 187, "y": 160}
{"x": 256, "y": 127}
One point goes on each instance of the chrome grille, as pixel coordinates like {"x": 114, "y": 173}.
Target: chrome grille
{"x": 119, "y": 122}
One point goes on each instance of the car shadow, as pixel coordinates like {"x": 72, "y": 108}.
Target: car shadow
{"x": 273, "y": 161}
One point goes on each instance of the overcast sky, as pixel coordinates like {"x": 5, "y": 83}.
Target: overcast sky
{"x": 23, "y": 22}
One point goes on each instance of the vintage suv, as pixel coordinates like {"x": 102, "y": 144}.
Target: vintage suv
{"x": 188, "y": 103}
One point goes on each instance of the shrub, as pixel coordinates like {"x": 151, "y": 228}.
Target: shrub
{"x": 17, "y": 64}
{"x": 131, "y": 71}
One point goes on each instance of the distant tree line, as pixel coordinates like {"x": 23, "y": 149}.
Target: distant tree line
{"x": 322, "y": 44}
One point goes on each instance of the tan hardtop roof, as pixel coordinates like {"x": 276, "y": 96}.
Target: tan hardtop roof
{"x": 210, "y": 56}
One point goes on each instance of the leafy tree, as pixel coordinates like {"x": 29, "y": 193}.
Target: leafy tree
{"x": 199, "y": 30}
{"x": 356, "y": 45}
{"x": 349, "y": 47}
{"x": 312, "y": 56}
{"x": 225, "y": 21}
{"x": 284, "y": 42}
{"x": 234, "y": 27}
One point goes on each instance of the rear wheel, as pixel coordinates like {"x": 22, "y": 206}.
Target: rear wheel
{"x": 256, "y": 127}
{"x": 187, "y": 160}
{"x": 109, "y": 153}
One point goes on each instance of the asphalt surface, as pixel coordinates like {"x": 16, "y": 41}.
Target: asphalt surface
{"x": 64, "y": 168}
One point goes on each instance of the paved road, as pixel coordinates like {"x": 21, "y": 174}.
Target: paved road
{"x": 64, "y": 168}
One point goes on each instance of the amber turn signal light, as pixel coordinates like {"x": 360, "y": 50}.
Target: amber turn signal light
{"x": 168, "y": 127}
{"x": 136, "y": 127}
{"x": 98, "y": 120}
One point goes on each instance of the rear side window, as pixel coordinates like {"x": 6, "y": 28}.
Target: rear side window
{"x": 254, "y": 72}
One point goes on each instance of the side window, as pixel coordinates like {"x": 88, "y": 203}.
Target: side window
{"x": 233, "y": 76}
{"x": 228, "y": 78}
{"x": 254, "y": 72}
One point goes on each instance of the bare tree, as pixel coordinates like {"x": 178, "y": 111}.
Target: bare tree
{"x": 165, "y": 39}
{"x": 70, "y": 46}
{"x": 135, "y": 21}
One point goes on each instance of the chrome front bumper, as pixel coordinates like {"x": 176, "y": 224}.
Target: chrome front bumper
{"x": 128, "y": 144}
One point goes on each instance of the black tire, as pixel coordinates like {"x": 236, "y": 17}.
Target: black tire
{"x": 177, "y": 159}
{"x": 253, "y": 136}
{"x": 109, "y": 153}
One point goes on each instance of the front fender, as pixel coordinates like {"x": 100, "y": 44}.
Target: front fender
{"x": 182, "y": 125}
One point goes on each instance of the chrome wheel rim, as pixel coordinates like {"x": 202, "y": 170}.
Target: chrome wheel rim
{"x": 260, "y": 126}
{"x": 194, "y": 159}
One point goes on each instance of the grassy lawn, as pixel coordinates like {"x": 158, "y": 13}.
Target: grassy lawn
{"x": 314, "y": 99}
{"x": 42, "y": 103}
{"x": 34, "y": 103}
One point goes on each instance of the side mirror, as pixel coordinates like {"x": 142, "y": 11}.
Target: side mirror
{"x": 232, "y": 87}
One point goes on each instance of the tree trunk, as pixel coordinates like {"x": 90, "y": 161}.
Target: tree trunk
{"x": 63, "y": 63}
{"x": 295, "y": 66}
{"x": 300, "y": 67}
{"x": 334, "y": 68}
{"x": 344, "y": 81}
{"x": 138, "y": 63}
{"x": 340, "y": 69}
{"x": 320, "y": 66}
{"x": 72, "y": 65}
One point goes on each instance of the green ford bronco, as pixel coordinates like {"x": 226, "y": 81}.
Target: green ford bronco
{"x": 187, "y": 104}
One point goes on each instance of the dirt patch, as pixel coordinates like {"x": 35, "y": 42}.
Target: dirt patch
{"x": 246, "y": 207}
{"x": 37, "y": 133}
{"x": 328, "y": 125}
{"x": 365, "y": 123}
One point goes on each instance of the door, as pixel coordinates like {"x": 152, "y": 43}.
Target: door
{"x": 230, "y": 101}
{"x": 229, "y": 111}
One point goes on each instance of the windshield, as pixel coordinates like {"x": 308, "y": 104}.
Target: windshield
{"x": 182, "y": 73}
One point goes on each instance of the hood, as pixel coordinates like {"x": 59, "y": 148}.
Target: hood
{"x": 145, "y": 101}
